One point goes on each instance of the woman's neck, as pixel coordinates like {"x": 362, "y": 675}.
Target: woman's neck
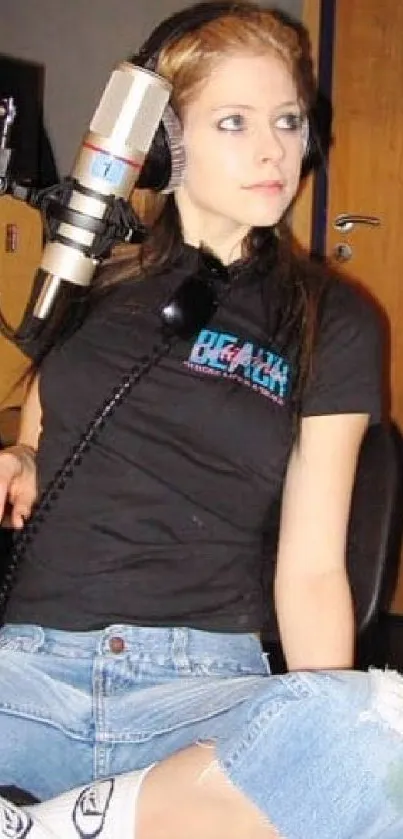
{"x": 221, "y": 236}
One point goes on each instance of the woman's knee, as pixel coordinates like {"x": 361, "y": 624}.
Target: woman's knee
{"x": 375, "y": 695}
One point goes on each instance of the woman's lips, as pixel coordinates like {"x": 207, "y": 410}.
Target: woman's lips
{"x": 266, "y": 186}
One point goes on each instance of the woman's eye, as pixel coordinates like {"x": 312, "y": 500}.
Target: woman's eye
{"x": 289, "y": 122}
{"x": 234, "y": 122}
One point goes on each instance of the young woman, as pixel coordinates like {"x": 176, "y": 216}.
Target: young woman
{"x": 131, "y": 636}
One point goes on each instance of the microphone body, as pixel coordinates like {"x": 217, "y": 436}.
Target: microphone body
{"x": 107, "y": 167}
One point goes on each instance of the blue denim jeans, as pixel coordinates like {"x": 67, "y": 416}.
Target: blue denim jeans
{"x": 321, "y": 754}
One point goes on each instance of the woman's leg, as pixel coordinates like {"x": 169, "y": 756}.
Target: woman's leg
{"x": 37, "y": 757}
{"x": 182, "y": 797}
{"x": 322, "y": 755}
{"x": 319, "y": 757}
{"x": 189, "y": 795}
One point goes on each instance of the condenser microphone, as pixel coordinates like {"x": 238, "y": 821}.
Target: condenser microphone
{"x": 105, "y": 171}
{"x": 108, "y": 165}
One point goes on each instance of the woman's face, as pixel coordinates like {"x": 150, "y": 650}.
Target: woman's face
{"x": 243, "y": 144}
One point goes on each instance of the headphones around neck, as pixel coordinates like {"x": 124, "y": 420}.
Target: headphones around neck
{"x": 165, "y": 161}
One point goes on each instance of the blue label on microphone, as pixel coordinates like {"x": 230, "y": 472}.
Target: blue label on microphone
{"x": 109, "y": 169}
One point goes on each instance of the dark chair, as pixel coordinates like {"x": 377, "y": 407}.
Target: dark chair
{"x": 375, "y": 538}
{"x": 376, "y": 520}
{"x": 5, "y": 548}
{"x": 373, "y": 542}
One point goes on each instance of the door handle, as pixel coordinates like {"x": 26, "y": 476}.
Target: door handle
{"x": 346, "y": 221}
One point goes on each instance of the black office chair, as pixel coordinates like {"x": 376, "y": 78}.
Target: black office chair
{"x": 375, "y": 538}
{"x": 376, "y": 522}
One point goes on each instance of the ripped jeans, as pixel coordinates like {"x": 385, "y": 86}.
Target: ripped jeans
{"x": 321, "y": 754}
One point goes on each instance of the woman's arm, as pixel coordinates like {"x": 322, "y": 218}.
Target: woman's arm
{"x": 31, "y": 416}
{"x": 312, "y": 593}
{"x": 18, "y": 487}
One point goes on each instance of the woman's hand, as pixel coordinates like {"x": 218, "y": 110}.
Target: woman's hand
{"x": 18, "y": 487}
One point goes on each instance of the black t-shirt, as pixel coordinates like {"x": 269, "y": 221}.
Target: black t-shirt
{"x": 164, "y": 520}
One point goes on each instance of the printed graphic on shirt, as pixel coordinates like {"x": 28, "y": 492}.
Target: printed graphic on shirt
{"x": 222, "y": 354}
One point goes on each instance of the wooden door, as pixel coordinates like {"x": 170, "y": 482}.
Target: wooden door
{"x": 365, "y": 174}
{"x": 20, "y": 253}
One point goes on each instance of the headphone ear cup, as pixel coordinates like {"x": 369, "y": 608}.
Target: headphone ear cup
{"x": 156, "y": 169}
{"x": 305, "y": 138}
{"x": 165, "y": 162}
{"x": 173, "y": 129}
{"x": 309, "y": 148}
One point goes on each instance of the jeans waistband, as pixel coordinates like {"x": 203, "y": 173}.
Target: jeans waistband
{"x": 169, "y": 642}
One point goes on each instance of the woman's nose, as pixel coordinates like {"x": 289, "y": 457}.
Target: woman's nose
{"x": 269, "y": 146}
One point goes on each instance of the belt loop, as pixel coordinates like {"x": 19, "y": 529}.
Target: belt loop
{"x": 180, "y": 648}
{"x": 25, "y": 637}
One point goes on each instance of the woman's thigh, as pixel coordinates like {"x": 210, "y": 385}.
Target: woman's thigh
{"x": 319, "y": 753}
{"x": 41, "y": 759}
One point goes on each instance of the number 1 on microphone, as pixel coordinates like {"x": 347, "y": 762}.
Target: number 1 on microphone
{"x": 108, "y": 168}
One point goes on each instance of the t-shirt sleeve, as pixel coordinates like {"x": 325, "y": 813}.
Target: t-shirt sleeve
{"x": 348, "y": 362}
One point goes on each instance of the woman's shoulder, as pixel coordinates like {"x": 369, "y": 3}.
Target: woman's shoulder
{"x": 342, "y": 302}
{"x": 348, "y": 368}
{"x": 348, "y": 311}
{"x": 344, "y": 292}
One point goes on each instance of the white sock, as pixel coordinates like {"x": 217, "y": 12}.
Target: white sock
{"x": 105, "y": 809}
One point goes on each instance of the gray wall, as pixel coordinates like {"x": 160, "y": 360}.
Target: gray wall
{"x": 78, "y": 42}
